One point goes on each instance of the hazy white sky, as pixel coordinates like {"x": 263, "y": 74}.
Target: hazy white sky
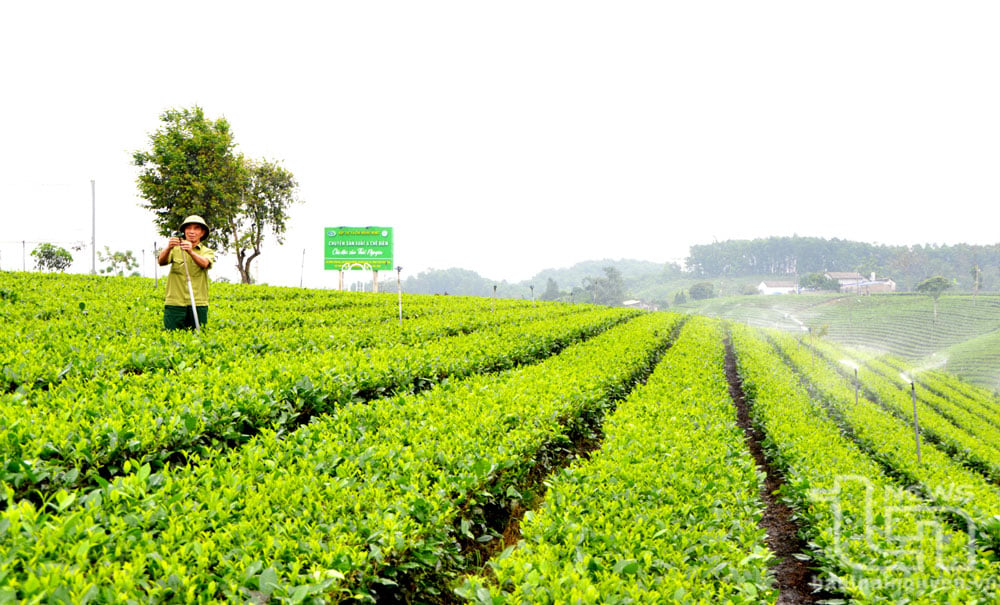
{"x": 509, "y": 137}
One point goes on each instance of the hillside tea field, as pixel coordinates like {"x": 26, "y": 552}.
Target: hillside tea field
{"x": 962, "y": 335}
{"x": 307, "y": 448}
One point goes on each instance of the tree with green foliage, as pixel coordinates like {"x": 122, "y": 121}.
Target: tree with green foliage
{"x": 551, "y": 291}
{"x": 118, "y": 263}
{"x": 816, "y": 331}
{"x": 796, "y": 255}
{"x": 701, "y": 291}
{"x": 454, "y": 281}
{"x": 819, "y": 331}
{"x": 680, "y": 298}
{"x": 192, "y": 167}
{"x": 608, "y": 290}
{"x": 818, "y": 281}
{"x": 268, "y": 191}
{"x": 933, "y": 287}
{"x": 49, "y": 257}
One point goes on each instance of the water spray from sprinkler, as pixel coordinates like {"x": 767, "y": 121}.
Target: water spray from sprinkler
{"x": 934, "y": 363}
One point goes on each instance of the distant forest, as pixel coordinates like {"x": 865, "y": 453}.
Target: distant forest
{"x": 788, "y": 256}
{"x": 733, "y": 267}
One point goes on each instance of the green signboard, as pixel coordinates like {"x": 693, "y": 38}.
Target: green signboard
{"x": 358, "y": 248}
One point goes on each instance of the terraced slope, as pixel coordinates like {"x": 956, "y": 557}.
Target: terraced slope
{"x": 965, "y": 332}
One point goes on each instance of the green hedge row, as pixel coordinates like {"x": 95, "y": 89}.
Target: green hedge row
{"x": 871, "y": 538}
{"x": 942, "y": 385}
{"x": 115, "y": 330}
{"x": 965, "y": 435}
{"x": 367, "y": 499}
{"x": 89, "y": 428}
{"x": 667, "y": 511}
{"x": 942, "y": 476}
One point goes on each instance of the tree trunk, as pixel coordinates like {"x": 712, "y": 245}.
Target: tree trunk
{"x": 244, "y": 264}
{"x": 244, "y": 272}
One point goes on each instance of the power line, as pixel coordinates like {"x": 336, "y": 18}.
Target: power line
{"x": 48, "y": 241}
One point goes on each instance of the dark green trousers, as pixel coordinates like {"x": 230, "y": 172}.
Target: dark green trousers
{"x": 181, "y": 318}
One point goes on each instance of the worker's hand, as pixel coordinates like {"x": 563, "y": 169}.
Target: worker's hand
{"x": 173, "y": 242}
{"x": 185, "y": 245}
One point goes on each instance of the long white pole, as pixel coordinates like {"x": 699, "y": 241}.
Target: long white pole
{"x": 93, "y": 228}
{"x": 916, "y": 423}
{"x": 194, "y": 309}
{"x": 399, "y": 289}
{"x": 857, "y": 386}
{"x": 302, "y": 271}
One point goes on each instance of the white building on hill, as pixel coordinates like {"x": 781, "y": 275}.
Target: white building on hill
{"x": 856, "y": 283}
{"x": 778, "y": 287}
{"x": 638, "y": 304}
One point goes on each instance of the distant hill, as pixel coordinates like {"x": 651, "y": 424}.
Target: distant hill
{"x": 631, "y": 270}
{"x": 456, "y": 282}
{"x": 734, "y": 266}
{"x": 637, "y": 275}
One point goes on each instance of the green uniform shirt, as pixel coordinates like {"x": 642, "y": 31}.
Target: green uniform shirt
{"x": 177, "y": 290}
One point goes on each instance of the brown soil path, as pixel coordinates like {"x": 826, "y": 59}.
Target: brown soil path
{"x": 792, "y": 575}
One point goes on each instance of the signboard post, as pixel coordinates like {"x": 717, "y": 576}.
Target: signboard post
{"x": 347, "y": 248}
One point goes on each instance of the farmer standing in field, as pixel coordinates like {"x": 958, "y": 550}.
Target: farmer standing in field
{"x": 189, "y": 251}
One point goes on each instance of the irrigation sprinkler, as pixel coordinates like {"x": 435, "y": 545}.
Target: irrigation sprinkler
{"x": 532, "y": 286}
{"x": 494, "y": 304}
{"x": 857, "y": 383}
{"x": 399, "y": 289}
{"x": 812, "y": 350}
{"x": 916, "y": 423}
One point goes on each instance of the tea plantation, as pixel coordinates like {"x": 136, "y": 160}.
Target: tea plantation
{"x": 962, "y": 335}
{"x": 317, "y": 447}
